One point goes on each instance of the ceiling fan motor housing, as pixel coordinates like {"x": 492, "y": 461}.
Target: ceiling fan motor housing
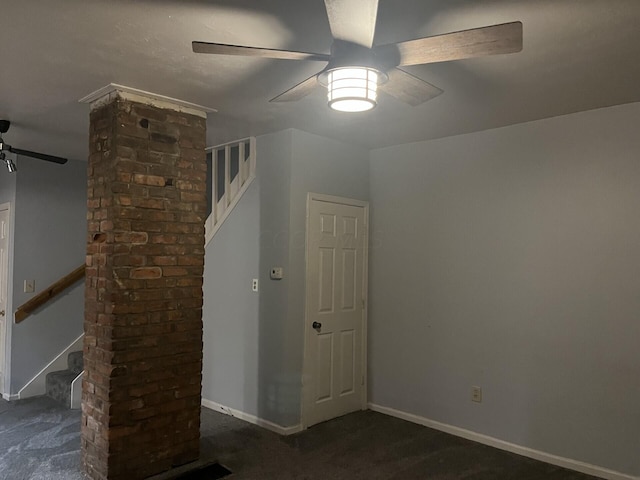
{"x": 351, "y": 55}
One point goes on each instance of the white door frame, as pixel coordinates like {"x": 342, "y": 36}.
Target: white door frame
{"x": 8, "y": 319}
{"x": 307, "y": 385}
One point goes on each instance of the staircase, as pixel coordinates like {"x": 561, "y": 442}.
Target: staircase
{"x": 232, "y": 168}
{"x": 59, "y": 384}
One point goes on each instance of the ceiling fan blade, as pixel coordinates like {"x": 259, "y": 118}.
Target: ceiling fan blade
{"x": 493, "y": 40}
{"x": 223, "y": 49}
{"x": 301, "y": 90}
{"x": 353, "y": 20}
{"x": 409, "y": 89}
{"x": 39, "y": 156}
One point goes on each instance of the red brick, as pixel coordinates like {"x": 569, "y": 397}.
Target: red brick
{"x": 146, "y": 272}
{"x": 143, "y": 300}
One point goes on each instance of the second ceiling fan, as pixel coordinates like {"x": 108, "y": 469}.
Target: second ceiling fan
{"x": 4, "y": 147}
{"x": 356, "y": 68}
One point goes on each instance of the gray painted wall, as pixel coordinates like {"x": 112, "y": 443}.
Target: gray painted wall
{"x": 49, "y": 242}
{"x": 510, "y": 259}
{"x": 243, "y": 347}
{"x": 253, "y": 359}
{"x": 279, "y": 378}
{"x": 230, "y": 311}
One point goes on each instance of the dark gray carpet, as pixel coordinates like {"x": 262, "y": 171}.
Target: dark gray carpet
{"x": 4, "y": 406}
{"x": 365, "y": 445}
{"x": 41, "y": 441}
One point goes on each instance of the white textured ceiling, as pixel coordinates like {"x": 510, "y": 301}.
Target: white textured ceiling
{"x": 578, "y": 55}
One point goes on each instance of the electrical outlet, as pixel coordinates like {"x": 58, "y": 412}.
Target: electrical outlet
{"x": 254, "y": 285}
{"x": 29, "y": 286}
{"x": 476, "y": 394}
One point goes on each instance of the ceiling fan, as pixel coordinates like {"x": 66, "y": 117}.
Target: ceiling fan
{"x": 356, "y": 68}
{"x": 4, "y": 127}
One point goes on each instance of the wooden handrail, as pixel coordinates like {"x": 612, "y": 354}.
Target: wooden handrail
{"x": 47, "y": 294}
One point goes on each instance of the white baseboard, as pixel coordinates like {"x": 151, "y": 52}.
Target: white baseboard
{"x": 247, "y": 417}
{"x": 569, "y": 463}
{"x": 37, "y": 385}
{"x": 10, "y": 398}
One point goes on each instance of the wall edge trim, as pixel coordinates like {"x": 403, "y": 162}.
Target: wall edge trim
{"x": 111, "y": 91}
{"x": 564, "y": 462}
{"x": 247, "y": 417}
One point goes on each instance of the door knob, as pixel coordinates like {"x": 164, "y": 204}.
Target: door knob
{"x": 316, "y": 325}
{"x": 2, "y": 313}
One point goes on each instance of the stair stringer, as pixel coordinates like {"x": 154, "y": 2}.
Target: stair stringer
{"x": 76, "y": 392}
{"x": 37, "y": 385}
{"x": 212, "y": 228}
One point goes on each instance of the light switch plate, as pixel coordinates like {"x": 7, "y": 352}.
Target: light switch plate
{"x": 29, "y": 286}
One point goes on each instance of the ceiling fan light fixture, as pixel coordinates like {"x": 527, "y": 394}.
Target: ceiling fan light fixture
{"x": 352, "y": 89}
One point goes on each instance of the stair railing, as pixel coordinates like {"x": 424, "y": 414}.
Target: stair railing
{"x": 52, "y": 291}
{"x": 233, "y": 168}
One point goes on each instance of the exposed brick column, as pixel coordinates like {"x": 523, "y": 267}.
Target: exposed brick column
{"x": 143, "y": 302}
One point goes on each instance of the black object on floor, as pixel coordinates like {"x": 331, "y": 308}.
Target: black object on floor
{"x": 209, "y": 472}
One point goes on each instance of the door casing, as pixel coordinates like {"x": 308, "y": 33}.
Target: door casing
{"x": 4, "y": 325}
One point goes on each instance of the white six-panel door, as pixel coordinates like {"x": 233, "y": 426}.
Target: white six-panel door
{"x": 335, "y": 359}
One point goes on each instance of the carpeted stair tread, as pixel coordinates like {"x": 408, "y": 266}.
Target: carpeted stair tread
{"x": 75, "y": 362}
{"x": 59, "y": 386}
